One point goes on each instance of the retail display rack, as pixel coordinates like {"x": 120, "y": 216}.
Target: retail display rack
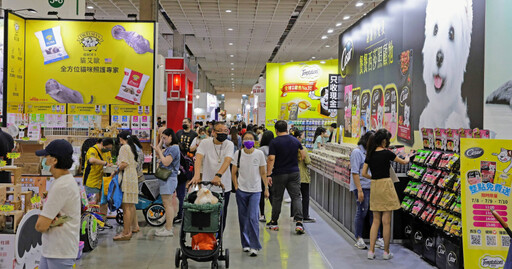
{"x": 433, "y": 202}
{"x": 309, "y": 126}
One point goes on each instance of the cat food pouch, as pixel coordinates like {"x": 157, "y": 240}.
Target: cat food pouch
{"x": 405, "y": 132}
{"x": 390, "y": 111}
{"x": 51, "y": 44}
{"x": 132, "y": 87}
{"x": 377, "y": 109}
{"x": 365, "y": 111}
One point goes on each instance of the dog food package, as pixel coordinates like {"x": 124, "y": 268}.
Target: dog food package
{"x": 145, "y": 122}
{"x": 377, "y": 109}
{"x": 465, "y": 133}
{"x": 390, "y": 111}
{"x": 356, "y": 112}
{"x": 481, "y": 133}
{"x": 365, "y": 111}
{"x": 487, "y": 170}
{"x": 136, "y": 122}
{"x": 132, "y": 87}
{"x": 440, "y": 138}
{"x": 348, "y": 110}
{"x": 51, "y": 44}
{"x": 428, "y": 138}
{"x": 125, "y": 122}
{"x": 405, "y": 132}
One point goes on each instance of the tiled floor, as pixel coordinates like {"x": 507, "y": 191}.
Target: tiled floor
{"x": 323, "y": 246}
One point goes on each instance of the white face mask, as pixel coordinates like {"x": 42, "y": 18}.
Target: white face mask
{"x": 46, "y": 168}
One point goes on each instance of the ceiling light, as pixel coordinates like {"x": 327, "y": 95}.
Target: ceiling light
{"x": 322, "y": 62}
{"x": 327, "y": 46}
{"x": 346, "y": 17}
{"x": 330, "y": 31}
{"x": 232, "y": 63}
{"x": 324, "y": 37}
{"x": 230, "y": 29}
{"x": 359, "y": 4}
{"x": 232, "y": 69}
{"x": 222, "y": 94}
{"x": 231, "y": 44}
{"x": 197, "y": 96}
{"x": 338, "y": 24}
{"x": 313, "y": 57}
{"x": 232, "y": 74}
{"x": 231, "y": 55}
{"x": 232, "y": 79}
{"x": 90, "y": 7}
{"x": 228, "y": 10}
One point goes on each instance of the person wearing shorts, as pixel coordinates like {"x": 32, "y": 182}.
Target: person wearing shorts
{"x": 169, "y": 159}
{"x": 97, "y": 157}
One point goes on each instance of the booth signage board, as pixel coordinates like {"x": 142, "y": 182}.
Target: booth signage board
{"x": 334, "y": 99}
{"x": 486, "y": 178}
{"x": 84, "y": 62}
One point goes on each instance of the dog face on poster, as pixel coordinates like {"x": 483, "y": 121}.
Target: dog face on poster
{"x": 448, "y": 28}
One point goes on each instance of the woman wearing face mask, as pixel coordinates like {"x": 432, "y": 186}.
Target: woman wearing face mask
{"x": 127, "y": 163}
{"x": 319, "y": 138}
{"x": 202, "y": 136}
{"x": 247, "y": 174}
{"x": 304, "y": 178}
{"x": 169, "y": 159}
{"x": 383, "y": 197}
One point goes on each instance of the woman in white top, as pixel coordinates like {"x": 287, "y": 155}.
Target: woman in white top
{"x": 250, "y": 164}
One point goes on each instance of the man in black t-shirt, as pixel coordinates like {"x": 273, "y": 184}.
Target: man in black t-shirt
{"x": 283, "y": 173}
{"x": 6, "y": 146}
{"x": 186, "y": 135}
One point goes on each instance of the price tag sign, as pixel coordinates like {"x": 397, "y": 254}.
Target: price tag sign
{"x": 3, "y": 163}
{"x": 6, "y": 208}
{"x": 36, "y": 199}
{"x": 13, "y": 155}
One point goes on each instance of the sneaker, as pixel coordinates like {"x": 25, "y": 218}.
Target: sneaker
{"x": 387, "y": 256}
{"x": 380, "y": 243}
{"x": 272, "y": 225}
{"x": 371, "y": 255}
{"x": 299, "y": 228}
{"x": 288, "y": 200}
{"x": 164, "y": 233}
{"x": 360, "y": 244}
{"x": 262, "y": 218}
{"x": 176, "y": 220}
{"x": 246, "y": 249}
{"x": 309, "y": 220}
{"x": 253, "y": 253}
{"x": 107, "y": 225}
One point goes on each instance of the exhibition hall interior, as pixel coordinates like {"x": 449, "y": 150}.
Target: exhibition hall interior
{"x": 255, "y": 134}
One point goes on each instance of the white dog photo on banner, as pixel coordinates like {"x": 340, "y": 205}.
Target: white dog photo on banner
{"x": 448, "y": 28}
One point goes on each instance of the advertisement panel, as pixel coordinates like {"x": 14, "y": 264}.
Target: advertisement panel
{"x": 89, "y": 62}
{"x": 423, "y": 59}
{"x": 304, "y": 90}
{"x": 486, "y": 178}
{"x": 15, "y": 58}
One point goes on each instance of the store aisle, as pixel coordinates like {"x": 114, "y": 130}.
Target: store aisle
{"x": 323, "y": 246}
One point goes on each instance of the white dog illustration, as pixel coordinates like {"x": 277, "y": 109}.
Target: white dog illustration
{"x": 448, "y": 28}
{"x": 407, "y": 115}
{"x": 505, "y": 156}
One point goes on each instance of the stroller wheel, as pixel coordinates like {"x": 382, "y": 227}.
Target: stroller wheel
{"x": 155, "y": 215}
{"x": 119, "y": 217}
{"x": 215, "y": 264}
{"x": 226, "y": 257}
{"x": 184, "y": 264}
{"x": 177, "y": 257}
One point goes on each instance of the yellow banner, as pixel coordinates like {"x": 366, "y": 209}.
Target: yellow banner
{"x": 130, "y": 110}
{"x": 89, "y": 62}
{"x": 303, "y": 89}
{"x": 35, "y": 108}
{"x": 14, "y": 107}
{"x": 88, "y": 109}
{"x": 486, "y": 184}
{"x": 15, "y": 58}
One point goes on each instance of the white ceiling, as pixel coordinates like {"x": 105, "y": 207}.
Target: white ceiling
{"x": 256, "y": 27}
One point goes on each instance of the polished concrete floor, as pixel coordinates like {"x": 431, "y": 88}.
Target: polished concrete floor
{"x": 323, "y": 246}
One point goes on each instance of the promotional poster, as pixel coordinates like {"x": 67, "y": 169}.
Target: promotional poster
{"x": 83, "y": 62}
{"x": 486, "y": 184}
{"x": 433, "y": 77}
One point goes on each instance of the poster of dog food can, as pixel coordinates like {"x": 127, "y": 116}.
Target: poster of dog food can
{"x": 405, "y": 131}
{"x": 377, "y": 110}
{"x": 356, "y": 112}
{"x": 51, "y": 44}
{"x": 132, "y": 87}
{"x": 125, "y": 122}
{"x": 365, "y": 111}
{"x": 348, "y": 110}
{"x": 390, "y": 110}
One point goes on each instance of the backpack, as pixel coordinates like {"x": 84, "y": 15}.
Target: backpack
{"x": 115, "y": 194}
{"x": 88, "y": 143}
{"x": 186, "y": 168}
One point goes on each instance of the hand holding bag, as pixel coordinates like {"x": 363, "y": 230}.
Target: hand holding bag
{"x": 393, "y": 175}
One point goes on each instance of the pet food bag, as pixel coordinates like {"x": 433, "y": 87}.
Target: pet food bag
{"x": 132, "y": 87}
{"x": 51, "y": 44}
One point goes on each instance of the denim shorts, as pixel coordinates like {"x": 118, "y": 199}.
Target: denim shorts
{"x": 49, "y": 263}
{"x": 97, "y": 191}
{"x": 169, "y": 186}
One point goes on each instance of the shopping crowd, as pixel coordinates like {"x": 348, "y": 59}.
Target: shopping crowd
{"x": 245, "y": 159}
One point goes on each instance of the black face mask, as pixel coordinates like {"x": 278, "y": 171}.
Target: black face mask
{"x": 222, "y": 137}
{"x": 185, "y": 126}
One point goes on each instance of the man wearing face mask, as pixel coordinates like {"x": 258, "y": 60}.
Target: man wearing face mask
{"x": 186, "y": 135}
{"x": 213, "y": 157}
{"x": 97, "y": 157}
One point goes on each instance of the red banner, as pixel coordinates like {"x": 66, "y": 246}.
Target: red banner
{"x": 298, "y": 87}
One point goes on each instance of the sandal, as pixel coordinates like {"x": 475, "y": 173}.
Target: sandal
{"x": 122, "y": 237}
{"x": 136, "y": 231}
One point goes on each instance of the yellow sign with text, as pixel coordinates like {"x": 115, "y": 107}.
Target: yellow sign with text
{"x": 35, "y": 108}
{"x": 14, "y": 107}
{"x": 89, "y": 62}
{"x": 486, "y": 178}
{"x": 130, "y": 110}
{"x": 88, "y": 109}
{"x": 15, "y": 58}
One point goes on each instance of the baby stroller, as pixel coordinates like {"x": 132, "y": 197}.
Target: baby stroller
{"x": 205, "y": 218}
{"x": 150, "y": 202}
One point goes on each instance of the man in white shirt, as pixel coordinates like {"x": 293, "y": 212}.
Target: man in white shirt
{"x": 213, "y": 157}
{"x": 60, "y": 238}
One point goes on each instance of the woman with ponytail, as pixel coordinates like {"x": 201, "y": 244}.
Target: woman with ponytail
{"x": 247, "y": 174}
{"x": 128, "y": 178}
{"x": 383, "y": 197}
